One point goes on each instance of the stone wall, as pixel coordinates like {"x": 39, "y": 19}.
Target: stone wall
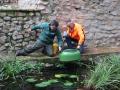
{"x": 14, "y": 26}
{"x": 100, "y": 18}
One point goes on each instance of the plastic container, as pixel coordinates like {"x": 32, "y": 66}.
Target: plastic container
{"x": 55, "y": 48}
{"x": 69, "y": 55}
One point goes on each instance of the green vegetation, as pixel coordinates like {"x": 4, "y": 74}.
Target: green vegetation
{"x": 46, "y": 83}
{"x": 43, "y": 84}
{"x": 31, "y": 80}
{"x": 61, "y": 75}
{"x": 105, "y": 74}
{"x": 12, "y": 67}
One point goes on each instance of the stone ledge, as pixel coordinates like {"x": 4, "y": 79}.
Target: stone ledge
{"x": 90, "y": 52}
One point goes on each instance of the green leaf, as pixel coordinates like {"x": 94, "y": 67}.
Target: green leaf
{"x": 31, "y": 80}
{"x": 53, "y": 81}
{"x": 42, "y": 84}
{"x": 61, "y": 75}
{"x": 66, "y": 84}
{"x": 73, "y": 76}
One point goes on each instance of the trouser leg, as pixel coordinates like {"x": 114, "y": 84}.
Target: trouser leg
{"x": 37, "y": 45}
{"x": 49, "y": 50}
{"x": 70, "y": 43}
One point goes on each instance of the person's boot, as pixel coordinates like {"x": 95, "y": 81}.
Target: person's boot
{"x": 21, "y": 53}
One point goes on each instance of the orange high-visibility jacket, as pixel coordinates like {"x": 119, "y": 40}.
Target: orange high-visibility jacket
{"x": 77, "y": 33}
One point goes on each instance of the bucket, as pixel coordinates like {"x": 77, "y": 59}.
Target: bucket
{"x": 69, "y": 55}
{"x": 55, "y": 48}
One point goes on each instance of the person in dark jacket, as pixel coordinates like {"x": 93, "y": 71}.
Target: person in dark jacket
{"x": 45, "y": 38}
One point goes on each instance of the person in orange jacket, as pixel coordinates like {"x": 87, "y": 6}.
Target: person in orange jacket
{"x": 74, "y": 36}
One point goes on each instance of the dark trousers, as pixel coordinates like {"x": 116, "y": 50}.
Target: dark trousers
{"x": 37, "y": 45}
{"x": 71, "y": 43}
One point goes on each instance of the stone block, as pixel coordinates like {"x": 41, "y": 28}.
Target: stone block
{"x": 1, "y": 24}
{"x": 25, "y": 43}
{"x": 2, "y": 48}
{"x": 31, "y": 14}
{"x": 31, "y": 42}
{"x": 14, "y": 19}
{"x": 19, "y": 41}
{"x": 26, "y": 18}
{"x": 17, "y": 37}
{"x": 7, "y": 18}
{"x": 2, "y": 14}
{"x": 3, "y": 39}
{"x": 11, "y": 14}
{"x": 26, "y": 26}
{"x": 26, "y": 35}
{"x": 18, "y": 45}
{"x": 26, "y": 39}
{"x": 20, "y": 18}
{"x": 38, "y": 14}
{"x": 21, "y": 14}
{"x": 1, "y": 20}
{"x": 17, "y": 48}
{"x": 7, "y": 44}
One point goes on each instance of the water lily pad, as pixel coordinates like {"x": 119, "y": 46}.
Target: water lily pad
{"x": 31, "y": 80}
{"x": 43, "y": 84}
{"x": 61, "y": 75}
{"x": 66, "y": 84}
{"x": 69, "y": 86}
{"x": 73, "y": 76}
{"x": 52, "y": 81}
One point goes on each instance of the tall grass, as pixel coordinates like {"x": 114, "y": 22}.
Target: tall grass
{"x": 12, "y": 67}
{"x": 105, "y": 74}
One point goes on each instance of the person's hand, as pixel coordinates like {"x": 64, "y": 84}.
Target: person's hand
{"x": 64, "y": 33}
{"x": 60, "y": 48}
{"x": 78, "y": 46}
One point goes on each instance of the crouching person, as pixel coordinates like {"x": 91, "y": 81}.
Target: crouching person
{"x": 75, "y": 36}
{"x": 45, "y": 38}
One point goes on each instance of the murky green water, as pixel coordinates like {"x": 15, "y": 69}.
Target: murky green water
{"x": 47, "y": 73}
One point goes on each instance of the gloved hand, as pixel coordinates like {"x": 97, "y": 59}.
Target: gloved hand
{"x": 64, "y": 33}
{"x": 78, "y": 47}
{"x": 60, "y": 48}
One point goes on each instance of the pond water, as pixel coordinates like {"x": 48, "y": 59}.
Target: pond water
{"x": 47, "y": 73}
